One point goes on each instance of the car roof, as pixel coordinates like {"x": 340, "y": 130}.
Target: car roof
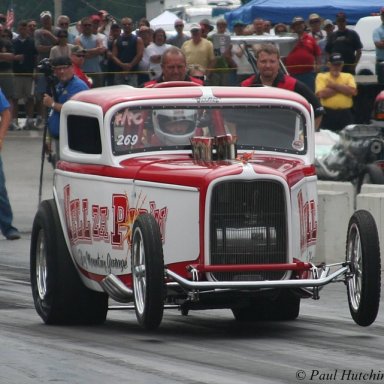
{"x": 107, "y": 97}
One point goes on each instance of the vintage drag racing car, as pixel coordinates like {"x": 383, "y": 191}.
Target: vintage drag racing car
{"x": 190, "y": 197}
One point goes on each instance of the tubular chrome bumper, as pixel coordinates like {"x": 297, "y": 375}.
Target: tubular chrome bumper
{"x": 303, "y": 283}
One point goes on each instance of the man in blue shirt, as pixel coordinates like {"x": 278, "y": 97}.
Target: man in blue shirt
{"x": 378, "y": 39}
{"x": 6, "y": 215}
{"x": 68, "y": 85}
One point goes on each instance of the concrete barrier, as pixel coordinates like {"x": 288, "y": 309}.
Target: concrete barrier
{"x": 374, "y": 203}
{"x": 334, "y": 211}
{"x": 337, "y": 202}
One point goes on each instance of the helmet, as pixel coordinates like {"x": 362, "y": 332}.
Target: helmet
{"x": 163, "y": 119}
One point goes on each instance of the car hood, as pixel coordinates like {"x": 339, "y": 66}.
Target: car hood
{"x": 183, "y": 170}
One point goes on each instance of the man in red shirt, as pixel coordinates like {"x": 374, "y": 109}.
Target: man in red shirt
{"x": 304, "y": 59}
{"x": 269, "y": 74}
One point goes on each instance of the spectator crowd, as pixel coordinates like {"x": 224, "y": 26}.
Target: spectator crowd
{"x": 44, "y": 62}
{"x": 105, "y": 51}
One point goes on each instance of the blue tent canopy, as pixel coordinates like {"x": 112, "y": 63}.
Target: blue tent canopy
{"x": 279, "y": 11}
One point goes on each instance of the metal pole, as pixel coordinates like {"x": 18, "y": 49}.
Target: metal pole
{"x": 58, "y": 9}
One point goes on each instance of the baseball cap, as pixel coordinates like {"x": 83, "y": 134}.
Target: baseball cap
{"x": 95, "y": 18}
{"x": 297, "y": 19}
{"x": 207, "y": 23}
{"x": 336, "y": 58}
{"x": 314, "y": 16}
{"x": 45, "y": 13}
{"x": 195, "y": 26}
{"x": 327, "y": 22}
{"x": 77, "y": 49}
{"x": 341, "y": 16}
{"x": 178, "y": 22}
{"x": 61, "y": 61}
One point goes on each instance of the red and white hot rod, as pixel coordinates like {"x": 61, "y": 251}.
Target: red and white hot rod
{"x": 194, "y": 197}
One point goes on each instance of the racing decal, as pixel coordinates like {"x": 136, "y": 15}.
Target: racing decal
{"x": 308, "y": 223}
{"x": 87, "y": 224}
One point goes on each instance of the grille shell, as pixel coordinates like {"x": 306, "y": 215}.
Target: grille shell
{"x": 248, "y": 225}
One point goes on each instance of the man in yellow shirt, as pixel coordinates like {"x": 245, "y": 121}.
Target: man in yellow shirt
{"x": 336, "y": 89}
{"x": 198, "y": 50}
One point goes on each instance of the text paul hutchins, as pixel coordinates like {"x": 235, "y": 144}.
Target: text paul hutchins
{"x": 341, "y": 375}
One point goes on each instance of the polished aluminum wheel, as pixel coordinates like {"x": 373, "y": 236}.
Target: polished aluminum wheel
{"x": 138, "y": 271}
{"x": 354, "y": 256}
{"x": 41, "y": 265}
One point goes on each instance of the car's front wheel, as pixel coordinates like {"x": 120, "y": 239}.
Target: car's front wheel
{"x": 363, "y": 256}
{"x": 59, "y": 295}
{"x": 148, "y": 271}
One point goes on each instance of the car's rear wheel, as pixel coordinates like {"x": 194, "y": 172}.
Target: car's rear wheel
{"x": 148, "y": 271}
{"x": 58, "y": 293}
{"x": 363, "y": 254}
{"x": 285, "y": 306}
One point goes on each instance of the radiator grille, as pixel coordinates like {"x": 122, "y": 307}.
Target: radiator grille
{"x": 248, "y": 226}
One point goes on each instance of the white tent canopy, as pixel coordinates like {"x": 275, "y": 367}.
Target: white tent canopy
{"x": 166, "y": 21}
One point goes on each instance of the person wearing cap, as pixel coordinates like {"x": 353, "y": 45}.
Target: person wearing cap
{"x": 269, "y": 74}
{"x": 127, "y": 51}
{"x": 320, "y": 36}
{"x": 78, "y": 56}
{"x": 336, "y": 90}
{"x": 346, "y": 42}
{"x": 106, "y": 22}
{"x": 174, "y": 68}
{"x": 206, "y": 28}
{"x": 68, "y": 85}
{"x": 95, "y": 50}
{"x": 280, "y": 29}
{"x": 303, "y": 60}
{"x": 180, "y": 37}
{"x": 239, "y": 56}
{"x": 378, "y": 40}
{"x": 45, "y": 38}
{"x": 24, "y": 63}
{"x": 328, "y": 28}
{"x": 198, "y": 50}
{"x": 314, "y": 21}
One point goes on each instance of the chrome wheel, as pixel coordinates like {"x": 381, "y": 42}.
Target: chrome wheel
{"x": 138, "y": 271}
{"x": 41, "y": 265}
{"x": 354, "y": 256}
{"x": 364, "y": 277}
{"x": 148, "y": 271}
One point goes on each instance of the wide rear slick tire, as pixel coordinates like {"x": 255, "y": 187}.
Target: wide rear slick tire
{"x": 363, "y": 254}
{"x": 148, "y": 272}
{"x": 58, "y": 293}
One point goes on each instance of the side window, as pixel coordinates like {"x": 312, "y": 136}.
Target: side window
{"x": 84, "y": 134}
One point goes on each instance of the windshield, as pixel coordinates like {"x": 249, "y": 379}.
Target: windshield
{"x": 268, "y": 128}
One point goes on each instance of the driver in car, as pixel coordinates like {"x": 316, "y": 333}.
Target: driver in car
{"x": 174, "y": 126}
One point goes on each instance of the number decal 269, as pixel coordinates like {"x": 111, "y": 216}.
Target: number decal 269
{"x": 127, "y": 140}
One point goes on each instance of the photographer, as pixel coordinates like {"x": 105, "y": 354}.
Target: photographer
{"x": 67, "y": 86}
